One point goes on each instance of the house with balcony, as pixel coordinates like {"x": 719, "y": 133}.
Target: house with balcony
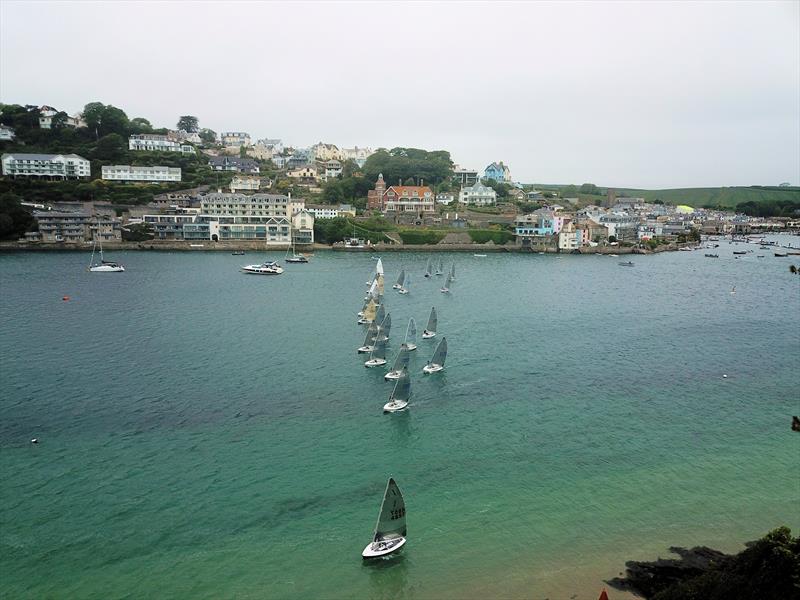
{"x": 306, "y": 173}
{"x": 465, "y": 177}
{"x": 151, "y": 142}
{"x": 142, "y": 174}
{"x": 48, "y": 113}
{"x": 77, "y": 227}
{"x": 234, "y": 139}
{"x": 333, "y": 168}
{"x": 303, "y": 227}
{"x": 324, "y": 152}
{"x": 245, "y": 183}
{"x": 477, "y": 195}
{"x": 400, "y": 198}
{"x": 45, "y": 166}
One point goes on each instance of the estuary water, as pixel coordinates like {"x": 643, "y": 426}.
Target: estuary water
{"x": 209, "y": 434}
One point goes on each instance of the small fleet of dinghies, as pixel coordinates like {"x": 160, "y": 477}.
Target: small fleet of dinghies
{"x": 390, "y": 530}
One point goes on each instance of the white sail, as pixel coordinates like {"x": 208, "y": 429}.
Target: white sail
{"x": 401, "y": 278}
{"x": 379, "y": 267}
{"x": 433, "y": 321}
{"x": 392, "y": 516}
{"x": 440, "y": 354}
{"x": 453, "y": 271}
{"x": 428, "y": 268}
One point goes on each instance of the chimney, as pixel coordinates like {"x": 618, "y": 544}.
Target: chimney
{"x": 421, "y": 181}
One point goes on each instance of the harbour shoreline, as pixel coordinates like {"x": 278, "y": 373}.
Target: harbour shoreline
{"x": 258, "y": 246}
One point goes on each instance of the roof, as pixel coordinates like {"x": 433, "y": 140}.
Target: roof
{"x": 39, "y": 156}
{"x": 399, "y": 189}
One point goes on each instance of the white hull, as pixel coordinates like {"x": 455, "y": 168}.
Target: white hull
{"x": 392, "y": 375}
{"x": 409, "y": 347}
{"x": 375, "y": 362}
{"x": 395, "y": 406}
{"x": 402, "y": 291}
{"x": 426, "y": 335}
{"x": 434, "y": 368}
{"x": 396, "y": 286}
{"x": 107, "y": 269}
{"x": 378, "y": 549}
{"x": 445, "y": 290}
{"x": 262, "y": 270}
{"x": 365, "y": 349}
{"x": 363, "y": 321}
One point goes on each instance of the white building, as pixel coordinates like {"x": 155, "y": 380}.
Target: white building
{"x": 151, "y": 142}
{"x": 445, "y": 198}
{"x": 235, "y": 139}
{"x": 477, "y": 195}
{"x": 62, "y": 166}
{"x": 6, "y": 133}
{"x": 273, "y": 144}
{"x": 359, "y": 155}
{"x": 265, "y": 217}
{"x": 244, "y": 183}
{"x": 46, "y": 114}
{"x": 136, "y": 173}
{"x": 333, "y": 168}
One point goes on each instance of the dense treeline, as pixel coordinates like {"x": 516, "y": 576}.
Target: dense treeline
{"x": 15, "y": 219}
{"x": 104, "y": 141}
{"x": 770, "y": 208}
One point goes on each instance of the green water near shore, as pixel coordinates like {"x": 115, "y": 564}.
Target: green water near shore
{"x": 209, "y": 434}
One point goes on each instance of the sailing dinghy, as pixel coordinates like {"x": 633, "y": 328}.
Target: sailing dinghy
{"x": 369, "y": 339}
{"x": 400, "y": 279}
{"x": 385, "y": 328}
{"x": 430, "y": 328}
{"x": 446, "y": 287}
{"x": 439, "y": 270}
{"x": 428, "y": 269}
{"x": 404, "y": 288}
{"x": 400, "y": 364}
{"x": 453, "y": 272}
{"x": 390, "y": 530}
{"x": 436, "y": 363}
{"x": 410, "y": 343}
{"x": 401, "y": 394}
{"x": 377, "y": 358}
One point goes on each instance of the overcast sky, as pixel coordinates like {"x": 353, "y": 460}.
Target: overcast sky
{"x": 627, "y": 94}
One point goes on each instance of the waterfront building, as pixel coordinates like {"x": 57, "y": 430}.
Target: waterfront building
{"x": 6, "y": 133}
{"x": 400, "y": 198}
{"x": 76, "y": 227}
{"x": 234, "y": 139}
{"x": 50, "y": 166}
{"x": 303, "y": 227}
{"x": 477, "y": 195}
{"x": 569, "y": 238}
{"x": 168, "y": 224}
{"x": 497, "y": 171}
{"x": 245, "y": 183}
{"x": 151, "y": 142}
{"x": 327, "y": 211}
{"x": 138, "y": 173}
{"x": 265, "y": 217}
{"x": 233, "y": 163}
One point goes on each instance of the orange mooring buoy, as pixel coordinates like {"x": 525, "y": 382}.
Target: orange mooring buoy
{"x": 65, "y": 298}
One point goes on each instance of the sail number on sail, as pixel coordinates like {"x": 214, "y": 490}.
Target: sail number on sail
{"x": 399, "y": 513}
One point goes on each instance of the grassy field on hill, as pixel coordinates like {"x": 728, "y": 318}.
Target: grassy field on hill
{"x": 723, "y": 197}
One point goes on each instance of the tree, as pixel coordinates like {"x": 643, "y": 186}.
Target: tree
{"x": 15, "y": 220}
{"x": 333, "y": 192}
{"x": 141, "y": 125}
{"x": 188, "y": 123}
{"x": 111, "y": 147}
{"x": 102, "y": 119}
{"x": 59, "y": 120}
{"x": 589, "y": 188}
{"x": 209, "y": 136}
{"x": 409, "y": 181}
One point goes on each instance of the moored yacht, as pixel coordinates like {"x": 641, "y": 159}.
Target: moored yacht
{"x": 265, "y": 268}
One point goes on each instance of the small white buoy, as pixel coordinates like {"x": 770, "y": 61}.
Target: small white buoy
{"x": 724, "y": 376}
{"x": 35, "y": 441}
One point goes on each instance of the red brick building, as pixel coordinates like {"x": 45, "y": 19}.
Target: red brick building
{"x": 400, "y": 198}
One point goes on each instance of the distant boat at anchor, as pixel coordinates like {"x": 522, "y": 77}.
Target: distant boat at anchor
{"x": 390, "y": 530}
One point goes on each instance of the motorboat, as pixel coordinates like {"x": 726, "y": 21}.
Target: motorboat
{"x": 265, "y": 268}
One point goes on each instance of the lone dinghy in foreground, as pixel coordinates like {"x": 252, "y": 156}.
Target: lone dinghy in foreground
{"x": 390, "y": 530}
{"x": 436, "y": 363}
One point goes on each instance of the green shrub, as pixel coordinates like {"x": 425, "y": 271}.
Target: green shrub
{"x": 421, "y": 236}
{"x": 481, "y": 236}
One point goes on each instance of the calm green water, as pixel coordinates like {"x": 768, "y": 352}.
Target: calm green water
{"x": 208, "y": 434}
